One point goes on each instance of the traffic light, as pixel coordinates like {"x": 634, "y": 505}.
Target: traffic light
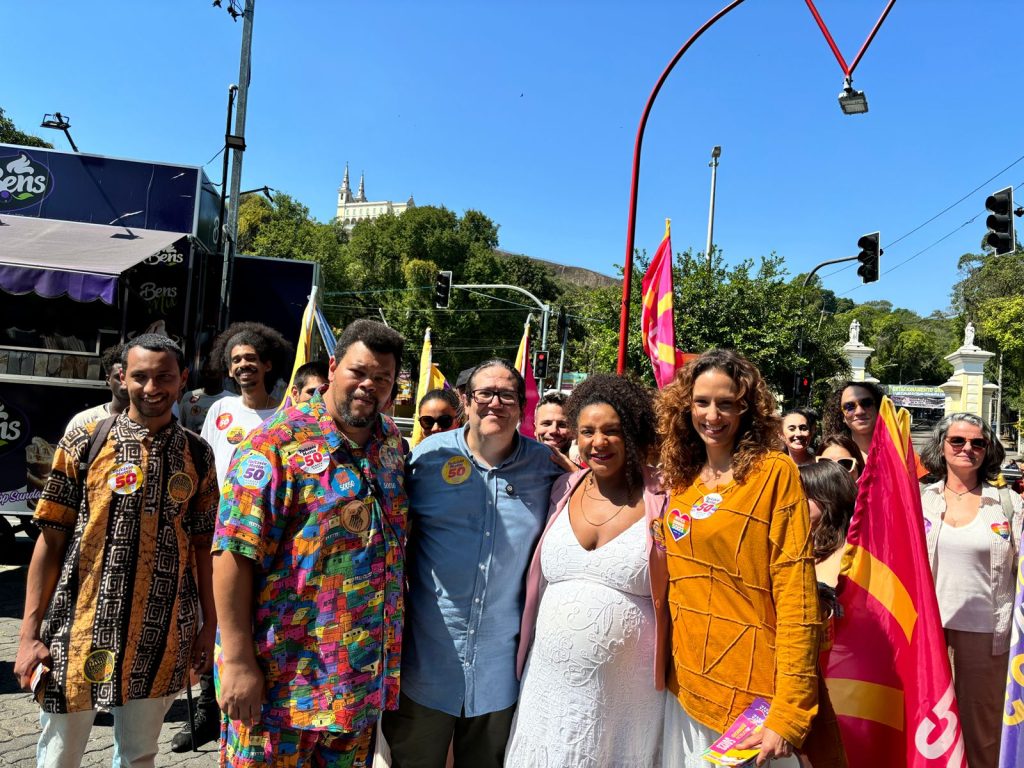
{"x": 868, "y": 257}
{"x": 1000, "y": 236}
{"x": 540, "y": 365}
{"x": 563, "y": 323}
{"x": 443, "y": 289}
{"x": 804, "y": 386}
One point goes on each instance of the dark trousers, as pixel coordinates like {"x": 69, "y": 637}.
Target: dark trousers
{"x": 419, "y": 737}
{"x": 207, "y": 695}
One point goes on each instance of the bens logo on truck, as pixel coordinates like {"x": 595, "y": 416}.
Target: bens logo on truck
{"x": 23, "y": 182}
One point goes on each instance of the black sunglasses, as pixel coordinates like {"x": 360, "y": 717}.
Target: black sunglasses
{"x": 864, "y": 402}
{"x": 959, "y": 442}
{"x": 444, "y": 422}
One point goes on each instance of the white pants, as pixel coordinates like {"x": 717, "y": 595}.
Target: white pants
{"x": 137, "y": 724}
{"x": 685, "y": 740}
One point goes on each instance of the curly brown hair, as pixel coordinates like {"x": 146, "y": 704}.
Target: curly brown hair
{"x": 632, "y": 404}
{"x": 683, "y": 452}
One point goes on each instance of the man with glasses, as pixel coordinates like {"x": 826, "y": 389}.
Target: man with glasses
{"x": 478, "y": 499}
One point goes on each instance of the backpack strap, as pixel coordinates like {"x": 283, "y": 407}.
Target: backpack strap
{"x": 96, "y": 441}
{"x": 196, "y": 446}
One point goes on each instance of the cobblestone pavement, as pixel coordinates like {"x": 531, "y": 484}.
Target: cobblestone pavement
{"x": 19, "y": 715}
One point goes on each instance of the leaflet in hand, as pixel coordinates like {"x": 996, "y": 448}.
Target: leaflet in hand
{"x": 723, "y": 751}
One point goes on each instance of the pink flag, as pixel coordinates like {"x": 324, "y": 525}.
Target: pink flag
{"x": 656, "y": 320}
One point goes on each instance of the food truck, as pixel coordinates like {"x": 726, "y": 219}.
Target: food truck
{"x": 93, "y": 251}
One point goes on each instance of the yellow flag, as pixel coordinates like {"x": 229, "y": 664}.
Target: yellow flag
{"x": 430, "y": 378}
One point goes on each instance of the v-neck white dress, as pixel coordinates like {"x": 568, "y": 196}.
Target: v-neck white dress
{"x": 588, "y": 698}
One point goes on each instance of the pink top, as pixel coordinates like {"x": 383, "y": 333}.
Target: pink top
{"x": 655, "y": 501}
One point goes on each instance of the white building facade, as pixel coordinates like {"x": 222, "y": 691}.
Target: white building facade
{"x": 355, "y": 208}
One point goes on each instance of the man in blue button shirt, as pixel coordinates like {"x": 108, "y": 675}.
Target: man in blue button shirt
{"x": 478, "y": 499}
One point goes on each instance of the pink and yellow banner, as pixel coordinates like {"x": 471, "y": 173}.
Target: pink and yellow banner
{"x": 656, "y": 318}
{"x": 888, "y": 674}
{"x": 525, "y": 368}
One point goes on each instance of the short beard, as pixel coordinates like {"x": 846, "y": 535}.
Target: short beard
{"x": 359, "y": 422}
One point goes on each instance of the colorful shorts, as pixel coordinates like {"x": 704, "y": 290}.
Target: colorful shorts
{"x": 265, "y": 745}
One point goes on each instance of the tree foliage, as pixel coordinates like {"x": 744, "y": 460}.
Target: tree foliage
{"x": 9, "y": 134}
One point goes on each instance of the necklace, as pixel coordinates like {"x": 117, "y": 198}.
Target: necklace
{"x": 586, "y": 495}
{"x": 964, "y": 493}
{"x": 709, "y": 474}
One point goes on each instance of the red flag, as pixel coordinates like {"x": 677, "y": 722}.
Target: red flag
{"x": 888, "y": 673}
{"x": 656, "y": 321}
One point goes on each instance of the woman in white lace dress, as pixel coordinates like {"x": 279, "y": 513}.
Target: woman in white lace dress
{"x": 592, "y": 695}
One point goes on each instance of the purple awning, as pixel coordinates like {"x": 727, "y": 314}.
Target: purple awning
{"x": 52, "y": 258}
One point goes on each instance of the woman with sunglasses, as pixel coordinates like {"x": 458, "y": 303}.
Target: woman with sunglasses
{"x": 740, "y": 570}
{"x": 439, "y": 411}
{"x": 852, "y": 410}
{"x": 843, "y": 451}
{"x": 973, "y": 533}
{"x": 591, "y": 693}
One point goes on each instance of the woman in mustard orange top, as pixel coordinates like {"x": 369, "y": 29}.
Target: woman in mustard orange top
{"x": 742, "y": 598}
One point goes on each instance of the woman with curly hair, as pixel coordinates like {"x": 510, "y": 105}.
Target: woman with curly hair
{"x": 852, "y": 410}
{"x": 973, "y": 531}
{"x": 587, "y": 697}
{"x": 741, "y": 581}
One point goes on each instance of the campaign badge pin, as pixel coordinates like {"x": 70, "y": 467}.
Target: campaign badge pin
{"x": 126, "y": 479}
{"x": 99, "y": 666}
{"x": 456, "y": 470}
{"x": 658, "y": 533}
{"x": 706, "y": 507}
{"x": 1002, "y": 530}
{"x": 355, "y": 516}
{"x": 180, "y": 487}
{"x": 236, "y": 435}
{"x": 253, "y": 471}
{"x": 679, "y": 524}
{"x": 345, "y": 482}
{"x": 927, "y": 526}
{"x": 313, "y": 458}
{"x": 223, "y": 421}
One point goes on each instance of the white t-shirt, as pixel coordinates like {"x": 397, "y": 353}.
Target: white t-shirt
{"x": 195, "y": 404}
{"x": 962, "y": 581}
{"x": 227, "y": 423}
{"x": 88, "y": 416}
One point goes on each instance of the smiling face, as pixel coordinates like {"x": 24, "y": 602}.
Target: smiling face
{"x": 796, "y": 433}
{"x": 246, "y": 368}
{"x": 964, "y": 458}
{"x": 860, "y": 411}
{"x": 493, "y": 420}
{"x": 360, "y": 386}
{"x": 599, "y": 435}
{"x": 717, "y": 410}
{"x": 552, "y": 427}
{"x": 153, "y": 380}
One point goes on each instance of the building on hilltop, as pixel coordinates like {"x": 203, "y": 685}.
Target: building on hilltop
{"x": 353, "y": 209}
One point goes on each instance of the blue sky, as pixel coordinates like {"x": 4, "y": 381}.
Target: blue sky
{"x": 528, "y": 112}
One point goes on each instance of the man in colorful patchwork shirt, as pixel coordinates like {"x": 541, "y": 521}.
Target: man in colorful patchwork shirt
{"x": 308, "y": 568}
{"x": 121, "y": 569}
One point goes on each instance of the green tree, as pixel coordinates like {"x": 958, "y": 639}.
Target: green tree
{"x": 9, "y": 134}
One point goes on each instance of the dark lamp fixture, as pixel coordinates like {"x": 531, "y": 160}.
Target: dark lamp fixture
{"x": 850, "y": 101}
{"x": 59, "y": 122}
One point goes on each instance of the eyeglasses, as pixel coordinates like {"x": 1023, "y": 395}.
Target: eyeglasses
{"x": 846, "y": 462}
{"x": 864, "y": 402}
{"x": 485, "y": 396}
{"x": 957, "y": 443}
{"x": 444, "y": 422}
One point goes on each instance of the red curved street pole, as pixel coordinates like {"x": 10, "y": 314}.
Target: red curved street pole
{"x": 631, "y": 228}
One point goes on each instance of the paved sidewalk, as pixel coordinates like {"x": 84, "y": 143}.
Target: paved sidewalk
{"x": 19, "y": 715}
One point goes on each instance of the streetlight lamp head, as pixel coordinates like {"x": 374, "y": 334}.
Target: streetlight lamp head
{"x": 716, "y": 152}
{"x": 850, "y": 101}
{"x": 57, "y": 121}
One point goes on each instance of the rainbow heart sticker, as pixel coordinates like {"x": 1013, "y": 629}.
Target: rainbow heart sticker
{"x": 1002, "y": 529}
{"x": 679, "y": 524}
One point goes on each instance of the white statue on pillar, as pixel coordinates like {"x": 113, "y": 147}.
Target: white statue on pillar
{"x": 969, "y": 335}
{"x": 855, "y": 332}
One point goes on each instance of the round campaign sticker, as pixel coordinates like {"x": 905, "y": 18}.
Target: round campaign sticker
{"x": 180, "y": 487}
{"x": 126, "y": 479}
{"x": 236, "y": 435}
{"x": 345, "y": 482}
{"x": 706, "y": 507}
{"x": 456, "y": 470}
{"x": 679, "y": 524}
{"x": 1002, "y": 529}
{"x": 313, "y": 458}
{"x": 253, "y": 471}
{"x": 355, "y": 516}
{"x": 99, "y": 666}
{"x": 223, "y": 421}
{"x": 927, "y": 526}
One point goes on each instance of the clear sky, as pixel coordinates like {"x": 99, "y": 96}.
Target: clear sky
{"x": 528, "y": 112}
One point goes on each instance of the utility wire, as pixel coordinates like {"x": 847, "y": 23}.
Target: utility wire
{"x": 497, "y": 298}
